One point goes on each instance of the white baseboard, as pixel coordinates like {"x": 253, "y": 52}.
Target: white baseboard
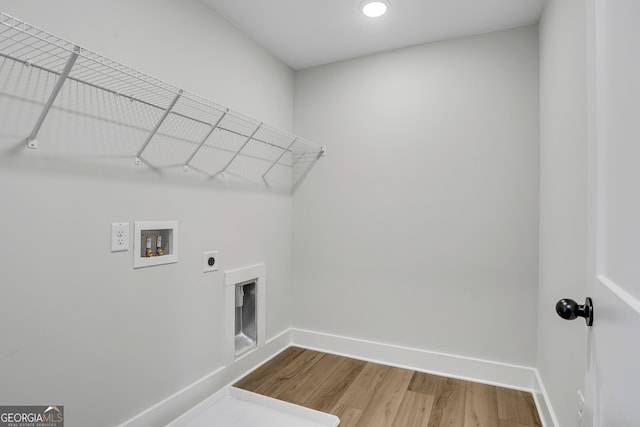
{"x": 180, "y": 402}
{"x": 545, "y": 410}
{"x": 461, "y": 367}
{"x": 466, "y": 368}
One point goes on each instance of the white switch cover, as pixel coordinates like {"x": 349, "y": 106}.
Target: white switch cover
{"x": 119, "y": 236}
{"x": 210, "y": 261}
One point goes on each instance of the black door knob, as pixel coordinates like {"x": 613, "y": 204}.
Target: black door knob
{"x": 569, "y": 309}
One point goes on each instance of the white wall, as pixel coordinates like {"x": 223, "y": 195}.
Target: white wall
{"x": 79, "y": 326}
{"x": 563, "y": 200}
{"x": 420, "y": 227}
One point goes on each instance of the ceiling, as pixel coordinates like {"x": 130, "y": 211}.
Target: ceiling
{"x": 307, "y": 33}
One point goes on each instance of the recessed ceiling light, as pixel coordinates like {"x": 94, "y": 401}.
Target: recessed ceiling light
{"x": 374, "y": 9}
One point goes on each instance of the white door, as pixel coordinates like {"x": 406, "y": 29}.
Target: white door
{"x": 613, "y": 353}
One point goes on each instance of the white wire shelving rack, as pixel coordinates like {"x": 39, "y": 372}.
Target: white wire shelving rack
{"x": 48, "y": 85}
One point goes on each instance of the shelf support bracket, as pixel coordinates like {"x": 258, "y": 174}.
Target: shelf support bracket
{"x": 224, "y": 169}
{"x": 279, "y": 157}
{"x": 321, "y": 153}
{"x": 213, "y": 127}
{"x": 32, "y": 140}
{"x": 156, "y": 127}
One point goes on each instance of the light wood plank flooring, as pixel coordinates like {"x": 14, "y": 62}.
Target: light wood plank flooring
{"x": 364, "y": 394}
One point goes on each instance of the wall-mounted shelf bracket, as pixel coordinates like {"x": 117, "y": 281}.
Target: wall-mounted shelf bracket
{"x": 237, "y": 153}
{"x": 213, "y": 127}
{"x": 321, "y": 153}
{"x": 156, "y": 127}
{"x": 32, "y": 140}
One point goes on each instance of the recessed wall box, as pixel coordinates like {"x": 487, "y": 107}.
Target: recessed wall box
{"x": 155, "y": 243}
{"x": 244, "y": 293}
{"x": 210, "y": 261}
{"x": 246, "y": 330}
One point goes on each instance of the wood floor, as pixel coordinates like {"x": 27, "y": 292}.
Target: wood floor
{"x": 364, "y": 394}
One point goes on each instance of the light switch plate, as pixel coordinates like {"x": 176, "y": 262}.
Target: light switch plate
{"x": 119, "y": 236}
{"x": 210, "y": 261}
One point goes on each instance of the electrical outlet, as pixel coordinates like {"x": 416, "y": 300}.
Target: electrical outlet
{"x": 580, "y": 408}
{"x": 580, "y": 400}
{"x": 210, "y": 261}
{"x": 119, "y": 236}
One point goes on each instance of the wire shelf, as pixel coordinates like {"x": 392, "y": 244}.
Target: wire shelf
{"x": 54, "y": 88}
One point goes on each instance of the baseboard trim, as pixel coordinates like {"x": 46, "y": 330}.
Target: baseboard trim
{"x": 545, "y": 410}
{"x": 455, "y": 366}
{"x": 180, "y": 402}
{"x": 466, "y": 368}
